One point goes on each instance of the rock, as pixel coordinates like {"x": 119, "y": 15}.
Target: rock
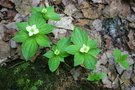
{"x": 106, "y": 82}
{"x": 65, "y": 22}
{"x": 70, "y": 9}
{"x": 97, "y": 24}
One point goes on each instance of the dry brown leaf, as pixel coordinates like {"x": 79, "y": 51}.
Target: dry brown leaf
{"x": 82, "y": 22}
{"x": 92, "y": 12}
{"x": 6, "y": 3}
{"x": 4, "y": 49}
{"x": 131, "y": 42}
{"x": 23, "y": 6}
{"x": 117, "y": 7}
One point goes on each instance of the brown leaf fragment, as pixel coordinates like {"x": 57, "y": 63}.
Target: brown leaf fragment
{"x": 131, "y": 42}
{"x": 6, "y": 3}
{"x": 4, "y": 49}
{"x": 92, "y": 12}
{"x": 82, "y": 22}
{"x": 23, "y": 6}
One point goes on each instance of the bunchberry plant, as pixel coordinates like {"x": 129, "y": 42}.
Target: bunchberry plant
{"x": 32, "y": 34}
{"x": 95, "y": 77}
{"x": 57, "y": 54}
{"x": 47, "y": 12}
{"x": 83, "y": 48}
{"x": 121, "y": 59}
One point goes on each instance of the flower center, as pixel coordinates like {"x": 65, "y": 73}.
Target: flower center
{"x": 44, "y": 10}
{"x": 32, "y": 30}
{"x": 56, "y": 52}
{"x": 84, "y": 49}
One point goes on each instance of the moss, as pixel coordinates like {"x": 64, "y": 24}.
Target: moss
{"x": 36, "y": 76}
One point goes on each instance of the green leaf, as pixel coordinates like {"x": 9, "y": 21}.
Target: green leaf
{"x": 22, "y": 26}
{"x": 72, "y": 49}
{"x": 46, "y": 29}
{"x": 94, "y": 52}
{"x": 124, "y": 64}
{"x": 51, "y": 14}
{"x": 29, "y": 48}
{"x": 49, "y": 54}
{"x": 36, "y": 19}
{"x": 54, "y": 47}
{"x": 63, "y": 43}
{"x": 78, "y": 59}
{"x": 117, "y": 54}
{"x": 90, "y": 61}
{"x": 121, "y": 59}
{"x": 36, "y": 9}
{"x": 124, "y": 57}
{"x": 91, "y": 43}
{"x": 54, "y": 63}
{"x": 96, "y": 77}
{"x": 21, "y": 36}
{"x": 79, "y": 37}
{"x": 43, "y": 40}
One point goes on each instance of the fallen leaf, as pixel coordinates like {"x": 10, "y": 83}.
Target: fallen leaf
{"x": 23, "y": 6}
{"x": 6, "y": 3}
{"x": 59, "y": 33}
{"x": 11, "y": 14}
{"x": 4, "y": 49}
{"x": 92, "y": 12}
{"x": 131, "y": 42}
{"x": 65, "y": 22}
{"x": 82, "y": 22}
{"x": 70, "y": 9}
{"x": 116, "y": 7}
{"x": 97, "y": 24}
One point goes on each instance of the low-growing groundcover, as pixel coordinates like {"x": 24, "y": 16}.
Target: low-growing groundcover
{"x": 36, "y": 76}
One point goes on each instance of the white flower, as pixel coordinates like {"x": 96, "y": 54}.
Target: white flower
{"x": 32, "y": 30}
{"x": 84, "y": 49}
